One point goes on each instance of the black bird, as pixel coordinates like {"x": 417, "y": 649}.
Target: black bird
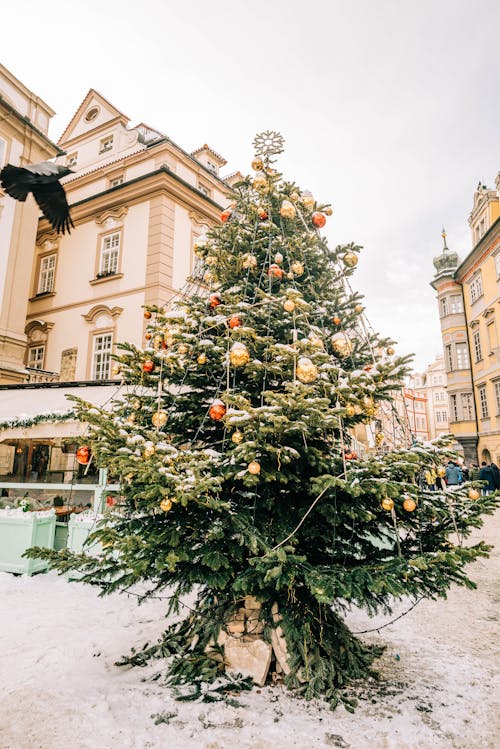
{"x": 43, "y": 181}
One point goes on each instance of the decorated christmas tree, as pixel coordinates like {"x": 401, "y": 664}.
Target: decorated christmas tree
{"x": 232, "y": 437}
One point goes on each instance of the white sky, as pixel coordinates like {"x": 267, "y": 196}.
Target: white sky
{"x": 390, "y": 110}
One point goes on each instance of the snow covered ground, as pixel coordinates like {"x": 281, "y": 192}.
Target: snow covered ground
{"x": 60, "y": 689}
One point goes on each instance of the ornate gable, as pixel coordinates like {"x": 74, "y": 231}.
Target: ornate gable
{"x": 95, "y": 112}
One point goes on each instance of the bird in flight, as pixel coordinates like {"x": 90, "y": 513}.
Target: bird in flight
{"x": 43, "y": 181}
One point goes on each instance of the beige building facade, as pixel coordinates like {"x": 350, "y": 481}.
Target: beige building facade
{"x": 432, "y": 384}
{"x": 138, "y": 202}
{"x": 24, "y": 125}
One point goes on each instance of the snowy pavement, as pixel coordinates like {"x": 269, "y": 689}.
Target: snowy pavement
{"x": 60, "y": 689}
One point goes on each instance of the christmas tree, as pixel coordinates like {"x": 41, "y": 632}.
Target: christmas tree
{"x": 231, "y": 436}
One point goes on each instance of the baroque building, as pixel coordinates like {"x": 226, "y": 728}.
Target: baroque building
{"x": 468, "y": 293}
{"x": 24, "y": 125}
{"x": 432, "y": 383}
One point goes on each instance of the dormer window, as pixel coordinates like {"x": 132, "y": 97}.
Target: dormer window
{"x": 116, "y": 181}
{"x": 72, "y": 159}
{"x": 211, "y": 166}
{"x": 106, "y": 144}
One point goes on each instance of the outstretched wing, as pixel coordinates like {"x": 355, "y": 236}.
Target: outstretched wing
{"x": 52, "y": 201}
{"x": 16, "y": 181}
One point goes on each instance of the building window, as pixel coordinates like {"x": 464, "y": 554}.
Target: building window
{"x": 456, "y": 304}
{"x": 72, "y": 160}
{"x": 483, "y": 401}
{"x": 92, "y": 114}
{"x": 476, "y": 288}
{"x": 497, "y": 256}
{"x": 36, "y": 355}
{"x": 116, "y": 181}
{"x": 492, "y": 336}
{"x": 443, "y": 306}
{"x": 211, "y": 166}
{"x": 106, "y": 144}
{"x": 449, "y": 358}
{"x": 497, "y": 396}
{"x": 462, "y": 358}
{"x": 467, "y": 406}
{"x": 477, "y": 346}
{"x": 3, "y": 148}
{"x": 47, "y": 274}
{"x": 110, "y": 251}
{"x": 101, "y": 356}
{"x": 204, "y": 189}
{"x": 454, "y": 407}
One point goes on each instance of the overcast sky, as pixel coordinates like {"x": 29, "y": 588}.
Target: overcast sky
{"x": 390, "y": 110}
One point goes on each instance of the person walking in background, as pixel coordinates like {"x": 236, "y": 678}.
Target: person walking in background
{"x": 453, "y": 474}
{"x": 474, "y": 472}
{"x": 496, "y": 475}
{"x": 486, "y": 474}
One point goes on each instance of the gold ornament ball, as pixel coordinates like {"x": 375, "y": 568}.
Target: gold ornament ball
{"x": 350, "y": 411}
{"x": 210, "y": 260}
{"x": 289, "y": 305}
{"x": 136, "y": 404}
{"x": 409, "y": 504}
{"x": 257, "y": 165}
{"x": 202, "y": 359}
{"x": 358, "y": 309}
{"x": 149, "y": 451}
{"x": 316, "y": 342}
{"x": 239, "y": 355}
{"x": 306, "y": 370}
{"x": 297, "y": 268}
{"x": 341, "y": 344}
{"x": 390, "y": 351}
{"x": 350, "y": 259}
{"x": 473, "y": 494}
{"x": 159, "y": 419}
{"x": 441, "y": 472}
{"x": 308, "y": 201}
{"x": 166, "y": 505}
{"x": 237, "y": 437}
{"x": 287, "y": 210}
{"x": 328, "y": 211}
{"x": 260, "y": 181}
{"x": 254, "y": 468}
{"x": 249, "y": 261}
{"x": 278, "y": 258}
{"x": 367, "y": 401}
{"x": 387, "y": 504}
{"x": 379, "y": 438}
{"x": 116, "y": 369}
{"x": 183, "y": 349}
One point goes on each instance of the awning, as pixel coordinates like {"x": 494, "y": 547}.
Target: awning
{"x": 48, "y": 407}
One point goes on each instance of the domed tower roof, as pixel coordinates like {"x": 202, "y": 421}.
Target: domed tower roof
{"x": 447, "y": 262}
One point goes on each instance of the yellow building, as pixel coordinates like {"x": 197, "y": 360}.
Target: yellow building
{"x": 24, "y": 123}
{"x": 468, "y": 298}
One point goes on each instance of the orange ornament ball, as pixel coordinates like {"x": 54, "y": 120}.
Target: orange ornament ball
{"x": 318, "y": 220}
{"x": 337, "y": 320}
{"x": 387, "y": 504}
{"x": 409, "y": 504}
{"x": 274, "y": 271}
{"x": 225, "y": 215}
{"x": 217, "y": 410}
{"x": 147, "y": 314}
{"x": 263, "y": 214}
{"x": 473, "y": 494}
{"x": 214, "y": 300}
{"x": 83, "y": 455}
{"x": 253, "y": 468}
{"x": 148, "y": 366}
{"x": 234, "y": 322}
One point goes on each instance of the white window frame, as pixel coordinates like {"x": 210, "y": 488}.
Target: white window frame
{"x": 204, "y": 189}
{"x": 449, "y": 357}
{"x": 497, "y": 396}
{"x": 102, "y": 347}
{"x": 443, "y": 306}
{"x": 467, "y": 404}
{"x": 483, "y": 401}
{"x": 456, "y": 306}
{"x": 461, "y": 356}
{"x": 497, "y": 256}
{"x": 3, "y": 150}
{"x": 106, "y": 144}
{"x": 36, "y": 356}
{"x": 478, "y": 352}
{"x": 116, "y": 181}
{"x": 109, "y": 255}
{"x": 476, "y": 288}
{"x": 211, "y": 166}
{"x": 454, "y": 406}
{"x": 47, "y": 274}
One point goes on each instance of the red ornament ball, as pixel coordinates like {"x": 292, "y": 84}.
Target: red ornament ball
{"x": 225, "y": 215}
{"x": 148, "y": 366}
{"x": 318, "y": 220}
{"x": 234, "y": 322}
{"x": 214, "y": 300}
{"x": 274, "y": 271}
{"x": 217, "y": 410}
{"x": 263, "y": 215}
{"x": 83, "y": 455}
{"x": 147, "y": 314}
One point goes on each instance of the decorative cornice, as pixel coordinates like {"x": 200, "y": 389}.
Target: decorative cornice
{"x": 44, "y": 326}
{"x": 100, "y": 308}
{"x": 117, "y": 213}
